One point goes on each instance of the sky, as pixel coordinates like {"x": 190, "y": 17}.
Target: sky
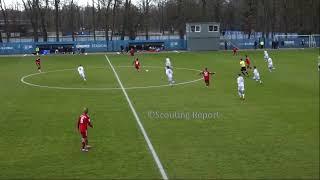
{"x": 80, "y": 2}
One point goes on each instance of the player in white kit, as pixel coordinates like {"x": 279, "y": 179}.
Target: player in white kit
{"x": 240, "y": 82}
{"x": 318, "y": 63}
{"x": 266, "y": 56}
{"x": 81, "y": 72}
{"x": 270, "y": 64}
{"x": 256, "y": 75}
{"x": 169, "y": 74}
{"x": 168, "y": 63}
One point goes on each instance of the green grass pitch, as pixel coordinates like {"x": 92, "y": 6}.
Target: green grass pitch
{"x": 274, "y": 133}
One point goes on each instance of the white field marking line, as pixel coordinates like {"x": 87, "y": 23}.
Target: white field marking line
{"x": 153, "y": 152}
{"x": 158, "y": 67}
{"x": 57, "y": 87}
{"x": 100, "y": 89}
{"x": 165, "y": 85}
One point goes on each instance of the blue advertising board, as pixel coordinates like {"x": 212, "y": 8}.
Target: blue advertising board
{"x": 169, "y": 44}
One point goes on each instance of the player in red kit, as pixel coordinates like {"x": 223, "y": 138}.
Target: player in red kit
{"x": 132, "y": 52}
{"x": 248, "y": 62}
{"x": 38, "y": 64}
{"x": 206, "y": 76}
{"x": 137, "y": 64}
{"x": 83, "y": 123}
{"x": 235, "y": 51}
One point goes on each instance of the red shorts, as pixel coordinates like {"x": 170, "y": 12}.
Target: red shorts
{"x": 137, "y": 67}
{"x": 84, "y": 134}
{"x": 206, "y": 80}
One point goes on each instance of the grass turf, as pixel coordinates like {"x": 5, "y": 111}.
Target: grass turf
{"x": 274, "y": 133}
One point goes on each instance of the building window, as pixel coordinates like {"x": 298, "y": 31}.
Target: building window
{"x": 210, "y": 28}
{"x": 215, "y": 28}
{"x": 192, "y": 28}
{"x": 198, "y": 28}
{"x": 195, "y": 28}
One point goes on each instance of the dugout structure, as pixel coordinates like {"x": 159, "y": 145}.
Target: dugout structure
{"x": 203, "y": 36}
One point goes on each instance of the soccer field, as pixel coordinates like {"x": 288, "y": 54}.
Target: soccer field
{"x": 274, "y": 133}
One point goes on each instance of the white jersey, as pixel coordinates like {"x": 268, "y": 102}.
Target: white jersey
{"x": 169, "y": 72}
{"x": 80, "y": 70}
{"x": 168, "y": 62}
{"x": 256, "y": 72}
{"x": 270, "y": 63}
{"x": 240, "y": 82}
{"x": 266, "y": 55}
{"x": 256, "y": 75}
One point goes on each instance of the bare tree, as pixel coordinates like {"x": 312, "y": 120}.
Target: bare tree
{"x": 161, "y": 4}
{"x": 6, "y": 20}
{"x": 106, "y": 4}
{"x": 146, "y": 16}
{"x": 126, "y": 17}
{"x": 204, "y": 9}
{"x": 181, "y": 20}
{"x": 122, "y": 16}
{"x": 93, "y": 20}
{"x": 99, "y": 15}
{"x": 56, "y": 7}
{"x": 274, "y": 16}
{"x": 31, "y": 9}
{"x": 72, "y": 17}
{"x": 43, "y": 15}
{"x": 218, "y": 8}
{"x": 114, "y": 13}
{"x": 249, "y": 16}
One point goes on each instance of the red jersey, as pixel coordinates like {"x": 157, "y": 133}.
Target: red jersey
{"x": 132, "y": 52}
{"x": 136, "y": 63}
{"x": 206, "y": 75}
{"x": 83, "y": 122}
{"x": 235, "y": 49}
{"x": 247, "y": 61}
{"x": 38, "y": 61}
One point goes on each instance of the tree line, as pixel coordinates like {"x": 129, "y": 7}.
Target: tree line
{"x": 39, "y": 18}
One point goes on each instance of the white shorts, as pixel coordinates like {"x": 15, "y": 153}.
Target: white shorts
{"x": 81, "y": 74}
{"x": 241, "y": 88}
{"x": 169, "y": 78}
{"x": 256, "y": 77}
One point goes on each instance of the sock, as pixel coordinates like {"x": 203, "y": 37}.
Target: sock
{"x": 243, "y": 96}
{"x": 240, "y": 94}
{"x": 83, "y": 145}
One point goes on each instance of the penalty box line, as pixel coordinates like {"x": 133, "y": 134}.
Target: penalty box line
{"x": 143, "y": 131}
